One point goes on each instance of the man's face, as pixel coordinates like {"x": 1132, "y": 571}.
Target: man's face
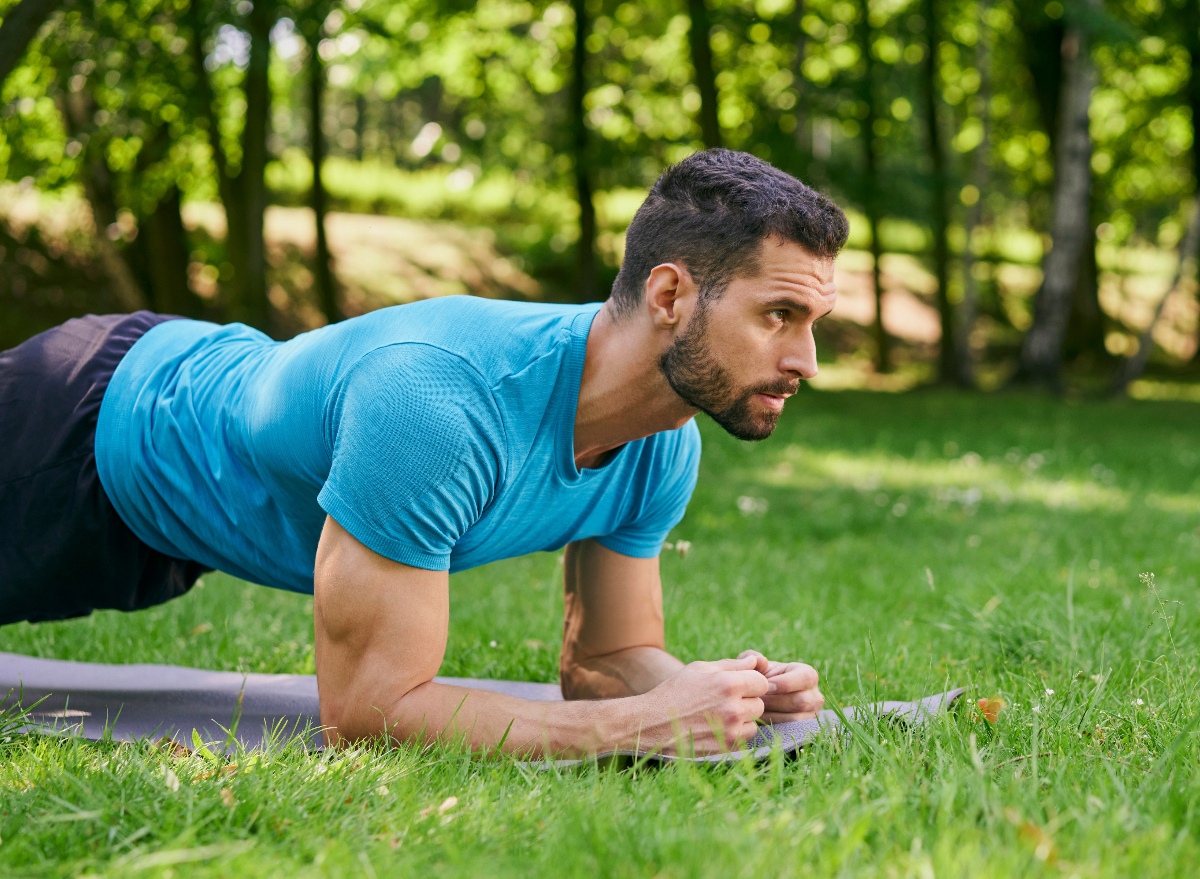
{"x": 739, "y": 358}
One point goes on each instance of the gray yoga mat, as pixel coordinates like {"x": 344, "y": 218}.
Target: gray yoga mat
{"x": 155, "y": 701}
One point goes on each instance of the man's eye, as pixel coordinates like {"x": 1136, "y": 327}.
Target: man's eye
{"x": 778, "y": 314}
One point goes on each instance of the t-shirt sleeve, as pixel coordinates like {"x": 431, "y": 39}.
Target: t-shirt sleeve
{"x": 417, "y": 447}
{"x": 668, "y": 481}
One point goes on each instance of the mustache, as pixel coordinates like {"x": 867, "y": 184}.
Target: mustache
{"x": 777, "y": 389}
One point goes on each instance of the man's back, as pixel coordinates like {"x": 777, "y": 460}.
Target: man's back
{"x": 439, "y": 434}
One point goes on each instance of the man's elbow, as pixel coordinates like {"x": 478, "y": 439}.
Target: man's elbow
{"x": 352, "y": 717}
{"x": 573, "y": 681}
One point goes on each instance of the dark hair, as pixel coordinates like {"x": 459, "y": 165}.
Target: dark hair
{"x": 711, "y": 212}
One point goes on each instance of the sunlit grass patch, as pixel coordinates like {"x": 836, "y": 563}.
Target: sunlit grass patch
{"x": 966, "y": 480}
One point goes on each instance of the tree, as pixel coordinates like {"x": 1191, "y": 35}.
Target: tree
{"x": 1135, "y": 365}
{"x": 871, "y": 193}
{"x": 802, "y": 133}
{"x": 1042, "y": 41}
{"x": 312, "y": 25}
{"x": 243, "y": 192}
{"x": 706, "y": 77}
{"x": 947, "y": 368}
{"x": 1041, "y": 351}
{"x": 586, "y": 264}
{"x": 77, "y": 109}
{"x": 968, "y": 310}
{"x": 18, "y": 29}
{"x": 1189, "y": 20}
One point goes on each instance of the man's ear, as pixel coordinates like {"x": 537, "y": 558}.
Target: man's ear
{"x": 667, "y": 285}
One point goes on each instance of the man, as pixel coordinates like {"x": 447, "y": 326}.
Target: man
{"x": 364, "y": 461}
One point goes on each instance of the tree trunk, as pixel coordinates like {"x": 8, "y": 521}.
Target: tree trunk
{"x": 871, "y": 200}
{"x": 165, "y": 250}
{"x": 1041, "y": 43}
{"x": 947, "y": 366}
{"x": 360, "y": 125}
{"x": 1041, "y": 352}
{"x": 1135, "y": 365}
{"x": 230, "y": 193}
{"x": 802, "y": 134}
{"x": 76, "y": 109}
{"x": 969, "y": 308}
{"x": 586, "y": 252}
{"x": 1191, "y": 42}
{"x": 706, "y": 77}
{"x": 252, "y": 306}
{"x": 18, "y": 30}
{"x": 326, "y": 286}
{"x": 160, "y": 254}
{"x": 1085, "y": 325}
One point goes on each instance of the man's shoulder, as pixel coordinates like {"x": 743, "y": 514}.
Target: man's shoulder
{"x": 496, "y": 338}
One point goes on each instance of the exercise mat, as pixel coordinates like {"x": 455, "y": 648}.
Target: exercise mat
{"x": 133, "y": 702}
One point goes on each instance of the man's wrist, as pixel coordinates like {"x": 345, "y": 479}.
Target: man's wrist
{"x": 598, "y": 726}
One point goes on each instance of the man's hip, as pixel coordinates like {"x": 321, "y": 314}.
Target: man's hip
{"x": 64, "y": 551}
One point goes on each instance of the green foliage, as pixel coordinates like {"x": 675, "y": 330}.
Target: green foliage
{"x": 461, "y": 111}
{"x": 908, "y": 542}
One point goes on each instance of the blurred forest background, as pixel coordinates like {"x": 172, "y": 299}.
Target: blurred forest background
{"x": 1021, "y": 175}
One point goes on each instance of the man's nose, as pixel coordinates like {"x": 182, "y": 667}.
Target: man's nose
{"x": 801, "y": 357}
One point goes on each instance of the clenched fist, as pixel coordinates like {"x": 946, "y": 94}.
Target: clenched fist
{"x": 792, "y": 692}
{"x": 705, "y": 707}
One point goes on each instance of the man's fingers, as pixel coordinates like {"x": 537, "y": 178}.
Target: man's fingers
{"x": 793, "y": 677}
{"x": 762, "y": 664}
{"x": 774, "y": 717}
{"x": 804, "y": 702}
{"x": 742, "y": 663}
{"x": 746, "y": 683}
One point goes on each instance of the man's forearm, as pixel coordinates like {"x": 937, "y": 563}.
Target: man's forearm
{"x": 439, "y": 712}
{"x": 706, "y": 707}
{"x": 628, "y": 672}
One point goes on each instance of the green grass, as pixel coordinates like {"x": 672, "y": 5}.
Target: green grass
{"x": 907, "y": 542}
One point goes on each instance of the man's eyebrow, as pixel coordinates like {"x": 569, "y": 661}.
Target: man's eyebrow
{"x": 788, "y": 302}
{"x": 795, "y": 305}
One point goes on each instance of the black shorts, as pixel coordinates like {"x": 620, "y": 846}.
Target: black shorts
{"x": 64, "y": 551}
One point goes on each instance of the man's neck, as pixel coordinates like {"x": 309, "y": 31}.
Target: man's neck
{"x": 623, "y": 395}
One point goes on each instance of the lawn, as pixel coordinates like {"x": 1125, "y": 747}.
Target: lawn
{"x": 900, "y": 543}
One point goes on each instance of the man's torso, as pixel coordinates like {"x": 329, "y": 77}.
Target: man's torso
{"x": 439, "y": 434}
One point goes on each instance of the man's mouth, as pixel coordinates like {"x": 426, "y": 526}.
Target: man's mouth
{"x": 772, "y": 401}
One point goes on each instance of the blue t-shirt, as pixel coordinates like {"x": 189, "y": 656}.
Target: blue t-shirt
{"x": 440, "y": 434}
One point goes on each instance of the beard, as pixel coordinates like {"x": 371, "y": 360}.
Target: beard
{"x": 693, "y": 374}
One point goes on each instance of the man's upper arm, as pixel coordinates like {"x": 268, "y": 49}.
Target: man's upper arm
{"x": 380, "y": 630}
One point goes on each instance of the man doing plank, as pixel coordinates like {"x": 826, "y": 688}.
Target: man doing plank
{"x": 364, "y": 461}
